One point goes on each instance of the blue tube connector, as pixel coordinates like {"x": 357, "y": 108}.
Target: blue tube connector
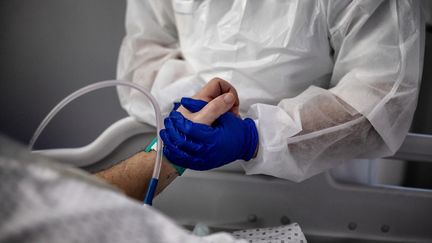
{"x": 151, "y": 191}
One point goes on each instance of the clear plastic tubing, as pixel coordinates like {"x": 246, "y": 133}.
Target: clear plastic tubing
{"x": 104, "y": 84}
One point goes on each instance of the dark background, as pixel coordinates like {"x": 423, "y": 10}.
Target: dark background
{"x": 48, "y": 49}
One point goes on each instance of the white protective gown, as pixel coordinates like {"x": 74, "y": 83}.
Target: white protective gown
{"x": 325, "y": 81}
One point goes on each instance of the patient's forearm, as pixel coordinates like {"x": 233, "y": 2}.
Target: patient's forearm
{"x": 133, "y": 174}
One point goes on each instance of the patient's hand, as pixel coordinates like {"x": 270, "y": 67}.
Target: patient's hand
{"x": 132, "y": 174}
{"x": 222, "y": 97}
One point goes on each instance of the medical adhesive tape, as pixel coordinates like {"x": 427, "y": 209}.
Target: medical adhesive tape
{"x": 153, "y": 147}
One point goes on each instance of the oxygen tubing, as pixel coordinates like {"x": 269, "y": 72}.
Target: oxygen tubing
{"x": 104, "y": 84}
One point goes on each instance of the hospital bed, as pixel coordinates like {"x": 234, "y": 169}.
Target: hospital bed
{"x": 225, "y": 199}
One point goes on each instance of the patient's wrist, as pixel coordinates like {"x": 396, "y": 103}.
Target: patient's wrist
{"x": 152, "y": 147}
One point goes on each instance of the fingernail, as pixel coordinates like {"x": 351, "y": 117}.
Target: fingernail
{"x": 228, "y": 98}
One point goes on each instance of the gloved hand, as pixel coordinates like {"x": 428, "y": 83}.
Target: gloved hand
{"x": 202, "y": 147}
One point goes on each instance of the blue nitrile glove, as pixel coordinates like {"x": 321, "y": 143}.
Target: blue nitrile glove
{"x": 202, "y": 147}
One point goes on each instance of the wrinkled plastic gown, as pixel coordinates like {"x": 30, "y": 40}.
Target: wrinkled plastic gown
{"x": 325, "y": 81}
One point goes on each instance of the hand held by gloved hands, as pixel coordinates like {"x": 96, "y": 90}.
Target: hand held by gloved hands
{"x": 215, "y": 91}
{"x": 198, "y": 146}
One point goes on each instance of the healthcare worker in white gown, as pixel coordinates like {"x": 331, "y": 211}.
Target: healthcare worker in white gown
{"x": 324, "y": 81}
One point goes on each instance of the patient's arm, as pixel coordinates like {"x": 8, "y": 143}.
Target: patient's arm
{"x": 133, "y": 174}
